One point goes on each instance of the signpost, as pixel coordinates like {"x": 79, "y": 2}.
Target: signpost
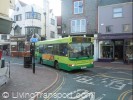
{"x": 33, "y": 40}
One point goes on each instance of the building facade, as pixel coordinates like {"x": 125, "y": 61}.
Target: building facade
{"x": 59, "y": 23}
{"x": 79, "y": 17}
{"x": 52, "y": 32}
{"x": 114, "y": 41}
{"x": 30, "y": 20}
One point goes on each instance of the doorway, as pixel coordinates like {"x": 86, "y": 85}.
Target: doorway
{"x": 118, "y": 50}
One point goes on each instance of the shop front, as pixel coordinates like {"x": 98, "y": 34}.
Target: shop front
{"x": 115, "y": 47}
{"x": 19, "y": 46}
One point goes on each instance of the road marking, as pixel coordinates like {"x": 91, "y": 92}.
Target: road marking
{"x": 103, "y": 75}
{"x": 122, "y": 96}
{"x": 107, "y": 67}
{"x": 56, "y": 90}
{"x": 120, "y": 72}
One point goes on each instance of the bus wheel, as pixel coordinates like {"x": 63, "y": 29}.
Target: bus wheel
{"x": 56, "y": 65}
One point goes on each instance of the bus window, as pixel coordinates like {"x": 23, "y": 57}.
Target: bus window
{"x": 56, "y": 49}
{"x": 80, "y": 50}
{"x": 37, "y": 49}
{"x": 49, "y": 49}
{"x": 41, "y": 49}
{"x": 63, "y": 48}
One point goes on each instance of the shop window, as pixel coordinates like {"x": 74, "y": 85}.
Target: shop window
{"x": 129, "y": 49}
{"x": 107, "y": 49}
{"x": 21, "y": 46}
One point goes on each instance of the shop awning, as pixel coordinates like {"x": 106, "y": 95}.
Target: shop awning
{"x": 5, "y": 26}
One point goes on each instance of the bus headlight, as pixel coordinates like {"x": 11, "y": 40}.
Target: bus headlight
{"x": 71, "y": 65}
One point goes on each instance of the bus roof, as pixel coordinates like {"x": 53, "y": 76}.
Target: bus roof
{"x": 54, "y": 41}
{"x": 64, "y": 40}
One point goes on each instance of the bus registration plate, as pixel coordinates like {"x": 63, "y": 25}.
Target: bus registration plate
{"x": 83, "y": 67}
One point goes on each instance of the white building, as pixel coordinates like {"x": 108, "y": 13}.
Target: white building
{"x": 52, "y": 26}
{"x": 30, "y": 19}
{"x": 25, "y": 23}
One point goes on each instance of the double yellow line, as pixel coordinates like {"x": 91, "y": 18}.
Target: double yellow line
{"x": 124, "y": 94}
{"x": 57, "y": 89}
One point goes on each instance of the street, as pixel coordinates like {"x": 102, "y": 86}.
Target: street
{"x": 98, "y": 83}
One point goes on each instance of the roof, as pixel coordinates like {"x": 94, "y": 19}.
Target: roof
{"x": 22, "y": 3}
{"x": 110, "y": 2}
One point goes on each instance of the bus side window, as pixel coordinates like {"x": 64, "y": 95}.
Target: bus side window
{"x": 63, "y": 49}
{"x": 37, "y": 49}
{"x": 56, "y": 49}
{"x": 49, "y": 49}
{"x": 41, "y": 49}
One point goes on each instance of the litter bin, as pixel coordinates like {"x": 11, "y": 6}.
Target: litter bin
{"x": 27, "y": 62}
{"x": 2, "y": 63}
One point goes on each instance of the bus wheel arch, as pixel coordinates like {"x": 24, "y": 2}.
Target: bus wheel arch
{"x": 56, "y": 64}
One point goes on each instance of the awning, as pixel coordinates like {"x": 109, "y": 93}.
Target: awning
{"x": 5, "y": 26}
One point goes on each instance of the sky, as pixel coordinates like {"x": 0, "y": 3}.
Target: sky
{"x": 54, "y": 4}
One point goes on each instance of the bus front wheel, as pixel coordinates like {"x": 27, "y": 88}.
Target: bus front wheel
{"x": 56, "y": 65}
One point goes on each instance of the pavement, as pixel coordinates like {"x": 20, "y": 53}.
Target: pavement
{"x": 114, "y": 65}
{"x": 22, "y": 81}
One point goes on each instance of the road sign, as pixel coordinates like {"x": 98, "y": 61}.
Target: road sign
{"x": 33, "y": 40}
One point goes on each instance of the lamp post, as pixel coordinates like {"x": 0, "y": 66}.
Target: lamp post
{"x": 33, "y": 49}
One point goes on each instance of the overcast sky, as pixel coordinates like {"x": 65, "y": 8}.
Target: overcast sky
{"x": 54, "y": 4}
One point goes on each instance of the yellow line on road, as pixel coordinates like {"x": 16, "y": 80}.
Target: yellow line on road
{"x": 57, "y": 89}
{"x": 124, "y": 94}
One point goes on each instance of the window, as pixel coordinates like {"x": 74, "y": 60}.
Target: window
{"x": 78, "y": 7}
{"x": 107, "y": 49}
{"x": 63, "y": 49}
{"x": 20, "y": 46}
{"x": 52, "y": 21}
{"x": 3, "y": 37}
{"x": 117, "y": 12}
{"x": 28, "y": 15}
{"x": 109, "y": 28}
{"x": 17, "y": 30}
{"x": 52, "y": 34}
{"x": 126, "y": 28}
{"x": 78, "y": 26}
{"x": 18, "y": 17}
{"x": 31, "y": 30}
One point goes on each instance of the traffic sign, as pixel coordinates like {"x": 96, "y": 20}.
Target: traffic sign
{"x": 33, "y": 40}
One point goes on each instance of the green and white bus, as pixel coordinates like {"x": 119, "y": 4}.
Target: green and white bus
{"x": 69, "y": 53}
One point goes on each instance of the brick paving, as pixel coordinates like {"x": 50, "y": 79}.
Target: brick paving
{"x": 23, "y": 80}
